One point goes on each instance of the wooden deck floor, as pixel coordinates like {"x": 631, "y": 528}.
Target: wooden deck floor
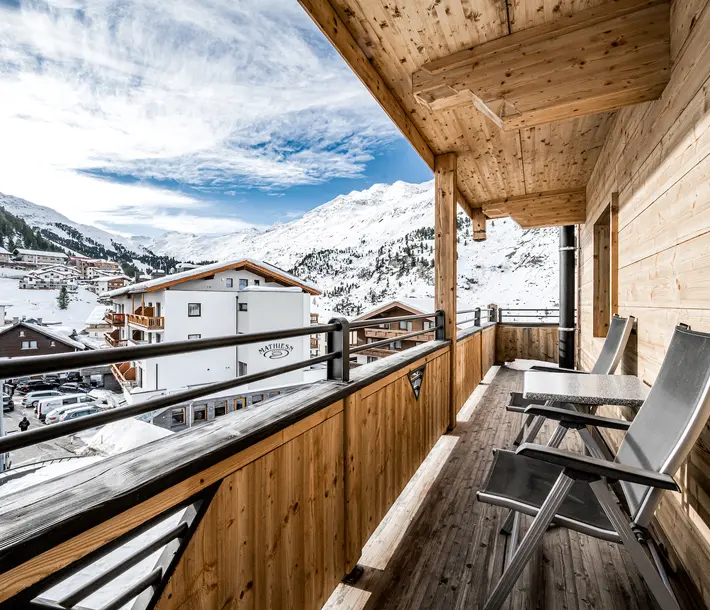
{"x": 439, "y": 548}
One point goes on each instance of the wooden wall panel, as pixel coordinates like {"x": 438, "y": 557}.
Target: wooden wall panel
{"x": 488, "y": 349}
{"x": 388, "y": 434}
{"x": 273, "y": 536}
{"x": 469, "y": 370}
{"x": 526, "y": 342}
{"x": 657, "y": 157}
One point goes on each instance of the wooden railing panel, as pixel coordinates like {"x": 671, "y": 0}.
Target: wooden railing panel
{"x": 526, "y": 342}
{"x": 488, "y": 348}
{"x": 388, "y": 433}
{"x": 469, "y": 368}
{"x": 273, "y": 536}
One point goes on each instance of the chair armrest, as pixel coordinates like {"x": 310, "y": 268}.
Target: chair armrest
{"x": 598, "y": 468}
{"x": 572, "y": 419}
{"x": 555, "y": 369}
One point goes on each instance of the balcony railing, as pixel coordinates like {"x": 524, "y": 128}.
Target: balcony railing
{"x": 115, "y": 319}
{"x": 396, "y": 333}
{"x": 125, "y": 373}
{"x": 114, "y": 339}
{"x": 148, "y": 322}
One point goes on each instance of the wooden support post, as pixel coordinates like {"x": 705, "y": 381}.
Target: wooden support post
{"x": 478, "y": 225}
{"x": 445, "y": 259}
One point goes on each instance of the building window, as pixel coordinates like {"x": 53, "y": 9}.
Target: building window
{"x": 194, "y": 310}
{"x": 257, "y": 282}
{"x": 242, "y": 369}
{"x": 29, "y": 345}
{"x": 386, "y": 326}
{"x": 391, "y": 347}
{"x": 371, "y": 359}
{"x": 229, "y": 282}
{"x": 22, "y": 333}
{"x": 177, "y": 417}
{"x": 274, "y": 394}
{"x": 405, "y": 326}
{"x": 398, "y": 345}
{"x": 220, "y": 408}
{"x": 199, "y": 413}
{"x": 240, "y": 403}
{"x": 52, "y": 344}
{"x": 243, "y": 307}
{"x": 606, "y": 267}
{"x": 256, "y": 398}
{"x": 194, "y": 336}
{"x": 157, "y": 338}
{"x": 243, "y": 284}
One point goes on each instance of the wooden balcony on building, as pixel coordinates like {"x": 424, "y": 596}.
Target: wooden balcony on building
{"x": 115, "y": 319}
{"x": 395, "y": 333}
{"x": 114, "y": 338}
{"x": 145, "y": 317}
{"x": 125, "y": 373}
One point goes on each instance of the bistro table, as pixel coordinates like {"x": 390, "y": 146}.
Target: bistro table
{"x": 624, "y": 390}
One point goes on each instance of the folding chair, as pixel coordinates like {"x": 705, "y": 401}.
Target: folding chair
{"x": 574, "y": 491}
{"x": 613, "y": 349}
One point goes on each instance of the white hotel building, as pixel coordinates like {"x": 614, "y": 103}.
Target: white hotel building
{"x": 242, "y": 296}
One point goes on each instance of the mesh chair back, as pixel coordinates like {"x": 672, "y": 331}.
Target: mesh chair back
{"x": 614, "y": 345}
{"x": 670, "y": 420}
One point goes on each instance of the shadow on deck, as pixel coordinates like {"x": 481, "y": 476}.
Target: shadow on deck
{"x": 438, "y": 548}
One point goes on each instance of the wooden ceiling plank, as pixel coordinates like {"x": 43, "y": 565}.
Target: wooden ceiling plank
{"x": 340, "y": 37}
{"x": 564, "y": 24}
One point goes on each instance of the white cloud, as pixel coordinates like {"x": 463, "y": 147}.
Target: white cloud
{"x": 204, "y": 93}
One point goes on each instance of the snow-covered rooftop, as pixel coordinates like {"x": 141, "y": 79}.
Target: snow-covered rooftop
{"x": 106, "y": 278}
{"x": 3, "y": 251}
{"x": 40, "y": 253}
{"x": 190, "y": 274}
{"x": 97, "y": 315}
{"x": 48, "y": 333}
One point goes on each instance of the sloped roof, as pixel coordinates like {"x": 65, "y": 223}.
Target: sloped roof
{"x": 40, "y": 253}
{"x": 43, "y": 330}
{"x": 416, "y": 306}
{"x": 97, "y": 315}
{"x": 250, "y": 264}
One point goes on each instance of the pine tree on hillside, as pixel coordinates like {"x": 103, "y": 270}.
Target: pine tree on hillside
{"x": 63, "y": 298}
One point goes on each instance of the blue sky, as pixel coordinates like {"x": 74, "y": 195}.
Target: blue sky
{"x": 143, "y": 116}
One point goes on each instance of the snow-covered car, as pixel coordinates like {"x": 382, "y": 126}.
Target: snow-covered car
{"x": 55, "y": 415}
{"x": 45, "y": 405}
{"x": 74, "y": 388}
{"x": 32, "y": 398}
{"x": 7, "y": 403}
{"x": 79, "y": 412}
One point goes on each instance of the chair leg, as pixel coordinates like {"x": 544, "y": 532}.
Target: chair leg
{"x": 521, "y": 434}
{"x": 529, "y": 543}
{"x": 661, "y": 593}
{"x": 555, "y": 441}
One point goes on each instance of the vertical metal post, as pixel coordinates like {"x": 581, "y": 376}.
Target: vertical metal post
{"x": 339, "y": 341}
{"x": 567, "y": 322}
{"x": 440, "y": 321}
{"x": 477, "y": 317}
{"x": 492, "y": 312}
{"x": 500, "y": 315}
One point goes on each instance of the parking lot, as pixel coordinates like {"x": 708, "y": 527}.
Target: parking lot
{"x": 62, "y": 447}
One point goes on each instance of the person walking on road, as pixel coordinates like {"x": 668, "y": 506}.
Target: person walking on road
{"x": 24, "y": 424}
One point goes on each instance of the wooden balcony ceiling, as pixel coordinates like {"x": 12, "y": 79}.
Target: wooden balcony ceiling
{"x": 523, "y": 91}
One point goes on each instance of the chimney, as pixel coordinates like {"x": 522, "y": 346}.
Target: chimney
{"x": 39, "y": 321}
{"x": 15, "y": 320}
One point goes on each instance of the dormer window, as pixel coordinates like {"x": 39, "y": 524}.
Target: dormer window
{"x": 229, "y": 282}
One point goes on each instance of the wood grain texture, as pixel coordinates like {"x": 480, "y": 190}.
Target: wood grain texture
{"x": 397, "y": 39}
{"x": 389, "y": 433}
{"x": 273, "y": 537}
{"x": 657, "y": 158}
{"x": 526, "y": 342}
{"x": 488, "y": 349}
{"x": 445, "y": 276}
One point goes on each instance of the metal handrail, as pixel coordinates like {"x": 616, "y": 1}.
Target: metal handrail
{"x": 37, "y": 365}
{"x": 41, "y": 435}
{"x": 375, "y": 344}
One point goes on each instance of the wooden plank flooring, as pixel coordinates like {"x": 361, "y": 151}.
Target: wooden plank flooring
{"x": 439, "y": 548}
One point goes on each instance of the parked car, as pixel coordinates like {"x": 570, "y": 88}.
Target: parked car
{"x": 79, "y": 412}
{"x": 74, "y": 388}
{"x": 34, "y": 385}
{"x": 45, "y": 405}
{"x": 69, "y": 376}
{"x": 31, "y": 399}
{"x": 55, "y": 414}
{"x": 7, "y": 403}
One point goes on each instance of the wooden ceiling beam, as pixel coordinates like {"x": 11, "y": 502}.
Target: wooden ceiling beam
{"x": 593, "y": 61}
{"x": 545, "y": 209}
{"x": 335, "y": 30}
{"x": 478, "y": 218}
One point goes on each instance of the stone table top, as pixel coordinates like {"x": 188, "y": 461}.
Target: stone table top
{"x": 625, "y": 390}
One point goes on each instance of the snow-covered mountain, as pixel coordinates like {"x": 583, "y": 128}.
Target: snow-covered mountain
{"x": 370, "y": 246}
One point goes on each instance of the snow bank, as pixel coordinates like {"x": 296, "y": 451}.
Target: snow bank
{"x": 121, "y": 436}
